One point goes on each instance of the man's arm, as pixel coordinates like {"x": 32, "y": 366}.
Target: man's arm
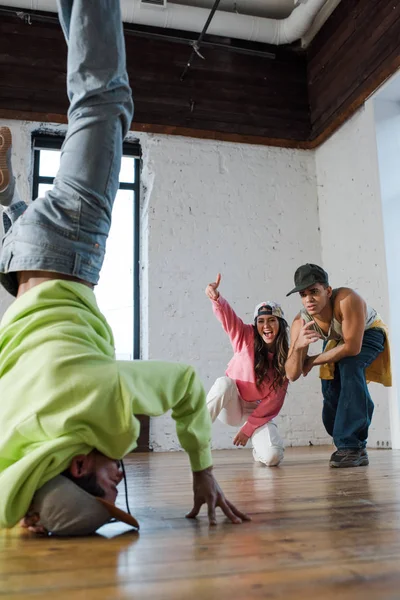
{"x": 352, "y": 308}
{"x": 152, "y": 388}
{"x": 301, "y": 336}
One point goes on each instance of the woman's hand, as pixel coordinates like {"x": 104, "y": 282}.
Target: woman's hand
{"x": 211, "y": 289}
{"x": 241, "y": 439}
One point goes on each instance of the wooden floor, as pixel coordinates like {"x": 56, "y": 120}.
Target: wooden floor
{"x": 317, "y": 533}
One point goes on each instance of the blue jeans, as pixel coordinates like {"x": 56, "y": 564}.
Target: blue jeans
{"x": 65, "y": 231}
{"x": 348, "y": 407}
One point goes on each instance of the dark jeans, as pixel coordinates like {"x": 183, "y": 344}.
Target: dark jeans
{"x": 348, "y": 407}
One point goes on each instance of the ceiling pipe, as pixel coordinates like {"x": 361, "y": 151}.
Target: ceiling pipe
{"x": 273, "y": 9}
{"x": 190, "y": 18}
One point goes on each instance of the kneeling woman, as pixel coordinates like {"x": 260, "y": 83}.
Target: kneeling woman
{"x": 254, "y": 387}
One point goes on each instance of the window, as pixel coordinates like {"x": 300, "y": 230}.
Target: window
{"x": 118, "y": 290}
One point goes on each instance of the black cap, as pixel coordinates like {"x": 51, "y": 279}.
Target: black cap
{"x": 307, "y": 275}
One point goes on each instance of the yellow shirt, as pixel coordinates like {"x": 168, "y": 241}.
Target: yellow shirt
{"x": 378, "y": 371}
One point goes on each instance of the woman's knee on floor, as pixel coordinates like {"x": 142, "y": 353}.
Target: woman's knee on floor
{"x": 270, "y": 457}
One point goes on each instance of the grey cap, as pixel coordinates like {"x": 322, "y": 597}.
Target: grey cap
{"x": 65, "y": 509}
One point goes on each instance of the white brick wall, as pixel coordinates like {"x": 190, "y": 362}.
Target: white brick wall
{"x": 250, "y": 212}
{"x": 387, "y": 122}
{"x": 247, "y": 211}
{"x": 353, "y": 247}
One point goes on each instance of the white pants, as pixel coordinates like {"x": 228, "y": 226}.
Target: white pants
{"x": 224, "y": 402}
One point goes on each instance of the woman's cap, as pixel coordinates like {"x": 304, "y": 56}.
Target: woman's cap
{"x": 269, "y": 308}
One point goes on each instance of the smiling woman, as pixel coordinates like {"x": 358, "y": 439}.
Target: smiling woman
{"x": 254, "y": 387}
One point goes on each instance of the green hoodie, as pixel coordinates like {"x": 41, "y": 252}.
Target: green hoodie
{"x": 62, "y": 393}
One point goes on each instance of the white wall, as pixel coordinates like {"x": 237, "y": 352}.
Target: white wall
{"x": 353, "y": 247}
{"x": 387, "y": 121}
{"x": 249, "y": 212}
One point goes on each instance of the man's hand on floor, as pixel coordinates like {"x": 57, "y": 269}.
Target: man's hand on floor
{"x": 31, "y": 521}
{"x": 207, "y": 491}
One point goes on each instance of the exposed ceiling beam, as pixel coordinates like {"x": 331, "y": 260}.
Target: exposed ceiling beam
{"x": 297, "y": 100}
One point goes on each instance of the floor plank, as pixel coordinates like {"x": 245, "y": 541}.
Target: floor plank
{"x": 317, "y": 533}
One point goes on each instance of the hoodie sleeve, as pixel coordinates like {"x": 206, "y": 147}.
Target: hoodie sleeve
{"x": 231, "y": 323}
{"x": 267, "y": 410}
{"x": 152, "y": 388}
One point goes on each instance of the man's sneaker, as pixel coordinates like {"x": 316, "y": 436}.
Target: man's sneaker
{"x": 349, "y": 457}
{"x": 7, "y": 181}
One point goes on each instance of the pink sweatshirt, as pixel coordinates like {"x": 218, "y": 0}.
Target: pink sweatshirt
{"x": 241, "y": 369}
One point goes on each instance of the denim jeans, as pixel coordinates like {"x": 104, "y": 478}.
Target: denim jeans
{"x": 348, "y": 407}
{"x": 65, "y": 231}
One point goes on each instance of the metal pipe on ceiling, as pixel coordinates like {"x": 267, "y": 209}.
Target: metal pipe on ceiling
{"x": 190, "y": 18}
{"x": 273, "y": 9}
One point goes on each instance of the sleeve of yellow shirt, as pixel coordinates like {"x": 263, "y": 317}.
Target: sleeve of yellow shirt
{"x": 152, "y": 388}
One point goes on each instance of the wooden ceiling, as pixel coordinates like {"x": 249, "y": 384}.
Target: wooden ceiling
{"x": 241, "y": 92}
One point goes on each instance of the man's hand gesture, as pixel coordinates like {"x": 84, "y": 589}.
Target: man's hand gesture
{"x": 307, "y": 335}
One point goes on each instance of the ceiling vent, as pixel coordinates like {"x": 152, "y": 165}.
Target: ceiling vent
{"x": 153, "y": 3}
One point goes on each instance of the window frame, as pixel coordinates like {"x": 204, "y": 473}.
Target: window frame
{"x": 133, "y": 150}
